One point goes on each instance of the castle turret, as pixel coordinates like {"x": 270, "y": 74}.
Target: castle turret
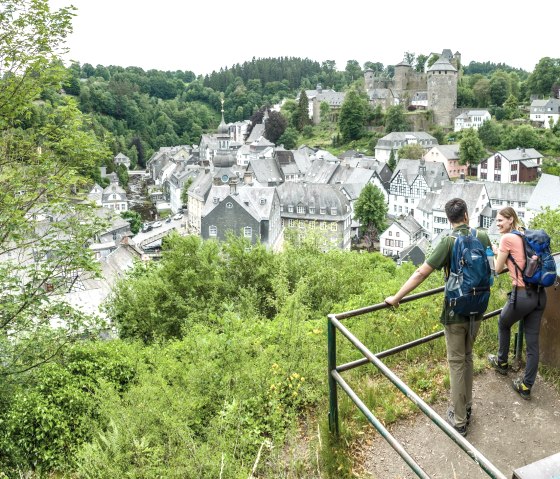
{"x": 442, "y": 91}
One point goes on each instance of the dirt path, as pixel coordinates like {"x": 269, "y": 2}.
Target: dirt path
{"x": 506, "y": 429}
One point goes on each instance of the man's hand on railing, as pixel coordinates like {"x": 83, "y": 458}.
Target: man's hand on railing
{"x": 392, "y": 301}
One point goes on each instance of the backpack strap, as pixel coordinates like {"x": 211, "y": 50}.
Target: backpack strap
{"x": 518, "y": 270}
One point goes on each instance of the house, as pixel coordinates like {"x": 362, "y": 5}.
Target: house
{"x": 449, "y": 156}
{"x": 401, "y": 234}
{"x": 430, "y": 212}
{"x": 96, "y": 195}
{"x": 320, "y": 209}
{"x": 332, "y": 98}
{"x": 420, "y": 100}
{"x": 122, "y": 159}
{"x": 545, "y": 113}
{"x": 321, "y": 171}
{"x": 250, "y": 211}
{"x": 114, "y": 197}
{"x": 415, "y": 253}
{"x": 266, "y": 171}
{"x": 516, "y": 195}
{"x": 545, "y": 195}
{"x": 196, "y": 199}
{"x": 411, "y": 181}
{"x": 511, "y": 166}
{"x": 395, "y": 140}
{"x": 471, "y": 119}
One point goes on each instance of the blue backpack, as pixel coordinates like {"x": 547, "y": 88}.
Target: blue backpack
{"x": 467, "y": 288}
{"x": 540, "y": 267}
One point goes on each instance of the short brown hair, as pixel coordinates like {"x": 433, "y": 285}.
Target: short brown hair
{"x": 456, "y": 209}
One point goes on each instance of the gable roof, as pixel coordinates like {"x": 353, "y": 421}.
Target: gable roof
{"x": 546, "y": 193}
{"x": 321, "y": 171}
{"x": 520, "y": 154}
{"x": 470, "y": 192}
{"x": 435, "y": 173}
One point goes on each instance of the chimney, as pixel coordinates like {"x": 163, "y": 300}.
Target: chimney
{"x": 247, "y": 177}
{"x": 233, "y": 186}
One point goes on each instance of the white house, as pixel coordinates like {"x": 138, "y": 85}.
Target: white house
{"x": 122, "y": 159}
{"x": 449, "y": 156}
{"x": 410, "y": 182}
{"x": 511, "y": 166}
{"x": 545, "y": 113}
{"x": 516, "y": 195}
{"x": 546, "y": 194}
{"x": 114, "y": 197}
{"x": 397, "y": 139}
{"x": 430, "y": 212}
{"x": 401, "y": 234}
{"x": 471, "y": 119}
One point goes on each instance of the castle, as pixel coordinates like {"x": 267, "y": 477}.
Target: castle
{"x": 435, "y": 89}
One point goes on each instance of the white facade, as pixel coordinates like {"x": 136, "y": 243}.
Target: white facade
{"x": 545, "y": 113}
{"x": 397, "y": 237}
{"x": 511, "y": 166}
{"x": 471, "y": 119}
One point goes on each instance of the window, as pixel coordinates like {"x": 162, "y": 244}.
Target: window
{"x": 324, "y": 225}
{"x": 262, "y": 201}
{"x": 301, "y": 209}
{"x": 333, "y": 210}
{"x": 290, "y": 209}
{"x": 514, "y": 167}
{"x": 312, "y": 225}
{"x": 513, "y": 177}
{"x": 397, "y": 234}
{"x": 390, "y": 233}
{"x": 247, "y": 231}
{"x": 388, "y": 242}
{"x": 229, "y": 205}
{"x": 334, "y": 226}
{"x": 216, "y": 200}
{"x": 291, "y": 223}
{"x": 323, "y": 210}
{"x": 213, "y": 231}
{"x": 312, "y": 210}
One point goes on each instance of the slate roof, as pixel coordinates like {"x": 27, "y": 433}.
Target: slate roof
{"x": 520, "y": 154}
{"x": 248, "y": 197}
{"x": 435, "y": 174}
{"x": 201, "y": 185}
{"x": 508, "y": 191}
{"x": 266, "y": 170}
{"x": 256, "y": 133}
{"x": 442, "y": 64}
{"x": 546, "y": 193}
{"x": 416, "y": 252}
{"x": 388, "y": 141}
{"x": 321, "y": 171}
{"x": 470, "y": 192}
{"x": 351, "y": 175}
{"x": 450, "y": 152}
{"x": 319, "y": 195}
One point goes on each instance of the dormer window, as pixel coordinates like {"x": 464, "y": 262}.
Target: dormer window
{"x": 216, "y": 200}
{"x": 262, "y": 201}
{"x": 301, "y": 209}
{"x": 323, "y": 210}
{"x": 312, "y": 210}
{"x": 290, "y": 209}
{"x": 229, "y": 205}
{"x": 333, "y": 210}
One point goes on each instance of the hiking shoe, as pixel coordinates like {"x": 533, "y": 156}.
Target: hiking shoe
{"x": 502, "y": 368}
{"x": 519, "y": 387}
{"x": 462, "y": 430}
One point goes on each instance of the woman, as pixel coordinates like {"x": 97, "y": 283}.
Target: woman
{"x": 525, "y": 302}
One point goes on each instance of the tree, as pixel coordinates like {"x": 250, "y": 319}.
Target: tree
{"x": 45, "y": 231}
{"x": 411, "y": 152}
{"x": 275, "y": 126}
{"x": 490, "y": 133}
{"x": 352, "y": 115}
{"x": 471, "y": 149}
{"x": 371, "y": 210}
{"x": 300, "y": 116}
{"x": 392, "y": 163}
{"x": 353, "y": 71}
{"x": 544, "y": 76}
{"x": 500, "y": 87}
{"x": 289, "y": 138}
{"x": 135, "y": 220}
{"x": 395, "y": 119}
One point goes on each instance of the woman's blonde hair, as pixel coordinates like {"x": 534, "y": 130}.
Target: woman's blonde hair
{"x": 509, "y": 213}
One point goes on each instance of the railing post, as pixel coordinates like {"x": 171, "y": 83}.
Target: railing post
{"x": 333, "y": 398}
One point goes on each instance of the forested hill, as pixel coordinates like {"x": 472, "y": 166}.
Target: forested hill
{"x": 141, "y": 111}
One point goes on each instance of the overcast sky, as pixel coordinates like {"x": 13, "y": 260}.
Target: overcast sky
{"x": 202, "y": 36}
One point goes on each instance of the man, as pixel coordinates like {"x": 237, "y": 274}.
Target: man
{"x": 460, "y": 331}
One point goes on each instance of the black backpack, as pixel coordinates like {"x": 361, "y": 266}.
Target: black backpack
{"x": 467, "y": 288}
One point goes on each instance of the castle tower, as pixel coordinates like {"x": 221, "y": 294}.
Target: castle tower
{"x": 402, "y": 73}
{"x": 442, "y": 91}
{"x": 368, "y": 78}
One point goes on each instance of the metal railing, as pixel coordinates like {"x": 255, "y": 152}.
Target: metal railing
{"x": 334, "y": 324}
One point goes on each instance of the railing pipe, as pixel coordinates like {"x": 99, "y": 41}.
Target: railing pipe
{"x": 417, "y": 400}
{"x": 333, "y": 398}
{"x": 397, "y": 446}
